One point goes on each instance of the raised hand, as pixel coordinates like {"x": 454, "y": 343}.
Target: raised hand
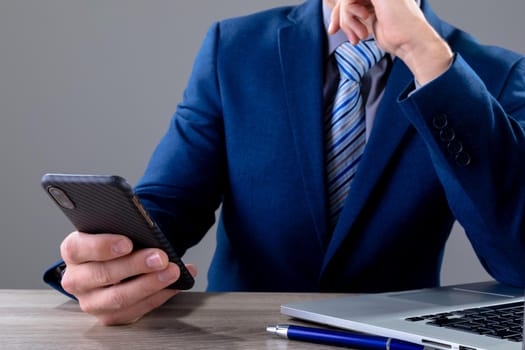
{"x": 399, "y": 27}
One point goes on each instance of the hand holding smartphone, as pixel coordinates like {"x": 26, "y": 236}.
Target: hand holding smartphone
{"x": 106, "y": 204}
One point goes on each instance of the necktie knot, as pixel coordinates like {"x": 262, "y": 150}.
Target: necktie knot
{"x": 354, "y": 61}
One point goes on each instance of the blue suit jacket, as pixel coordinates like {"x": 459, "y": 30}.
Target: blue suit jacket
{"x": 248, "y": 135}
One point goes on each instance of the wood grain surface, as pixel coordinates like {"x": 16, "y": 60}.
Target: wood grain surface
{"x": 44, "y": 319}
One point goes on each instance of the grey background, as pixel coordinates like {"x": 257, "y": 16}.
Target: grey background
{"x": 89, "y": 86}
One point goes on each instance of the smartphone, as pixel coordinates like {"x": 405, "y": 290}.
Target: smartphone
{"x": 107, "y": 204}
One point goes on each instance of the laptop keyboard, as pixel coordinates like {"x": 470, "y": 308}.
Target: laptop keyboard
{"x": 503, "y": 321}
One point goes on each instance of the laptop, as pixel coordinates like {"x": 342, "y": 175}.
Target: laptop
{"x": 475, "y": 316}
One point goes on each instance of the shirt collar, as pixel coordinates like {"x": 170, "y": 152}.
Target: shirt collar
{"x": 340, "y": 37}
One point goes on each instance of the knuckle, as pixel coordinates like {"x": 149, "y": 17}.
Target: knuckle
{"x": 100, "y": 275}
{"x": 104, "y": 306}
{"x": 116, "y": 300}
{"x": 67, "y": 249}
{"x": 68, "y": 283}
{"x": 87, "y": 306}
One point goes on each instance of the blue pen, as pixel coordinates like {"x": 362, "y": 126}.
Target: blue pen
{"x": 341, "y": 338}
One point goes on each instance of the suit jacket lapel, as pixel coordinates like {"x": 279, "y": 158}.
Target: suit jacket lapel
{"x": 389, "y": 128}
{"x": 301, "y": 50}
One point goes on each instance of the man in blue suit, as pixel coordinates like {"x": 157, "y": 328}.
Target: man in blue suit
{"x": 447, "y": 143}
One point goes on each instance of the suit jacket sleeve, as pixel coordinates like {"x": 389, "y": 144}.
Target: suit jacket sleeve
{"x": 181, "y": 187}
{"x": 473, "y": 124}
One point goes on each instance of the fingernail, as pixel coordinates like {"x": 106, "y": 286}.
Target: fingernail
{"x": 168, "y": 275}
{"x": 154, "y": 261}
{"x": 330, "y": 27}
{"x": 121, "y": 247}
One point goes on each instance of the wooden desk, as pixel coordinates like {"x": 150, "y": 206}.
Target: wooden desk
{"x": 43, "y": 319}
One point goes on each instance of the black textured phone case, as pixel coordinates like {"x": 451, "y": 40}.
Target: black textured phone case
{"x": 106, "y": 204}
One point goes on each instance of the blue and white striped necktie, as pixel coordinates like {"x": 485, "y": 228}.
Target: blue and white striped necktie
{"x": 345, "y": 121}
